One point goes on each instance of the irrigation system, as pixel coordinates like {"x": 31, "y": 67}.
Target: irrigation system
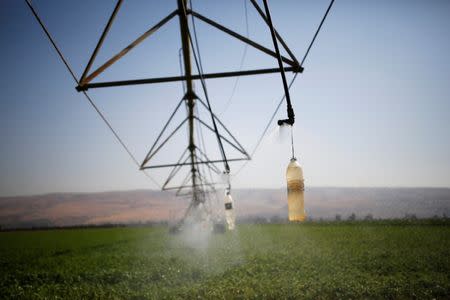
{"x": 198, "y": 183}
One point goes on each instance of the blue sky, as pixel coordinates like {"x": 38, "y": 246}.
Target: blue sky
{"x": 372, "y": 106}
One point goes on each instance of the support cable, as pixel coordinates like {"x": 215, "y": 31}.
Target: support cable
{"x": 266, "y": 128}
{"x": 241, "y": 65}
{"x": 317, "y": 32}
{"x": 102, "y": 116}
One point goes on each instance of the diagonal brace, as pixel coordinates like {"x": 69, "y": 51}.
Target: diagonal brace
{"x": 223, "y": 138}
{"x": 280, "y": 39}
{"x": 242, "y": 38}
{"x": 100, "y": 41}
{"x": 128, "y": 48}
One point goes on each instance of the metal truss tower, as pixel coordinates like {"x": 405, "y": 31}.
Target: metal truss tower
{"x": 192, "y": 157}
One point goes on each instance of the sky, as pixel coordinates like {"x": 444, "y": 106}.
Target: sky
{"x": 372, "y": 105}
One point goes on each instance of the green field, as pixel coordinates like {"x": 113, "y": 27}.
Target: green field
{"x": 317, "y": 261}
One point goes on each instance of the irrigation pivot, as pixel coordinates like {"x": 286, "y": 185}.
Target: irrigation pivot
{"x": 196, "y": 184}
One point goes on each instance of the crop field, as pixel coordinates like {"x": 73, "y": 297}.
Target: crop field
{"x": 272, "y": 261}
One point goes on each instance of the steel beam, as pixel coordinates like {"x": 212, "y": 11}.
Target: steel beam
{"x": 226, "y": 129}
{"x": 100, "y": 41}
{"x": 189, "y": 186}
{"x": 128, "y": 48}
{"x": 188, "y": 163}
{"x": 162, "y": 132}
{"x": 151, "y": 154}
{"x": 93, "y": 85}
{"x": 242, "y": 151}
{"x": 285, "y": 46}
{"x": 242, "y": 38}
{"x": 176, "y": 169}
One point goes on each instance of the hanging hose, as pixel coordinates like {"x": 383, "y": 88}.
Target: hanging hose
{"x": 290, "y": 111}
{"x": 263, "y": 134}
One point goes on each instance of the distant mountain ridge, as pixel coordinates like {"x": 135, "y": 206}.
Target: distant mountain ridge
{"x": 69, "y": 209}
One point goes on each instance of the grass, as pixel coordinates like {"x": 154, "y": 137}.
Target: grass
{"x": 316, "y": 261}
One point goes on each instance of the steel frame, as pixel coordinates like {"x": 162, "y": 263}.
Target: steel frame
{"x": 198, "y": 182}
{"x": 86, "y": 86}
{"x": 85, "y": 80}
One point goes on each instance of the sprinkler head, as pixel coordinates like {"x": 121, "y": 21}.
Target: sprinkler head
{"x": 286, "y": 122}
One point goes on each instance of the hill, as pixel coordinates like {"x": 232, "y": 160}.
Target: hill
{"x": 68, "y": 209}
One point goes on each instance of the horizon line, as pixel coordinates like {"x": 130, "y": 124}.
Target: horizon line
{"x": 244, "y": 188}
